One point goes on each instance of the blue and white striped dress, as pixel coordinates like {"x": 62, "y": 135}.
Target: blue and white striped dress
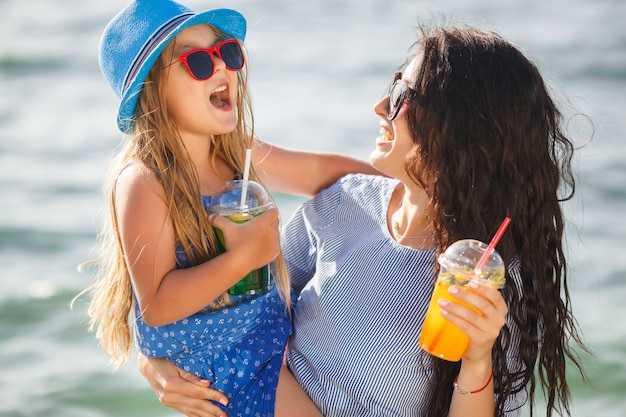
{"x": 362, "y": 301}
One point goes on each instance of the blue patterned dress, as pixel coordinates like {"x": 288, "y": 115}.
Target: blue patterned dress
{"x": 239, "y": 349}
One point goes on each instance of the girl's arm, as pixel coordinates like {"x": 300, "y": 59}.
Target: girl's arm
{"x": 302, "y": 173}
{"x": 164, "y": 293}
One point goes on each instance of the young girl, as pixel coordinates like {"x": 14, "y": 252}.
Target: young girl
{"x": 182, "y": 82}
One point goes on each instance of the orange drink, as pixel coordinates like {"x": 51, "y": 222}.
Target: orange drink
{"x": 439, "y": 337}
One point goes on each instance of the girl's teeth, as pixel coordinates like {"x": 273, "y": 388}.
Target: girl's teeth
{"x": 219, "y": 89}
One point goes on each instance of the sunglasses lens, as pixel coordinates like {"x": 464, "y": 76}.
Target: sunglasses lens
{"x": 396, "y": 98}
{"x": 200, "y": 65}
{"x": 231, "y": 55}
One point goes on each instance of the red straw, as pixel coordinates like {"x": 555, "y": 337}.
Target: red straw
{"x": 492, "y": 245}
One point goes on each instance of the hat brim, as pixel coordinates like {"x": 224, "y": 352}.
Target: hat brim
{"x": 226, "y": 20}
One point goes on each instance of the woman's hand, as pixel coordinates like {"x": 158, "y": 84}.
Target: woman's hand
{"x": 476, "y": 373}
{"x": 482, "y": 328}
{"x": 257, "y": 240}
{"x": 180, "y": 390}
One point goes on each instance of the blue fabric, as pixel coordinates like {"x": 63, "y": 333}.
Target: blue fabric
{"x": 362, "y": 302}
{"x": 239, "y": 349}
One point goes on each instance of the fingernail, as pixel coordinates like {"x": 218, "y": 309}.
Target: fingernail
{"x": 473, "y": 284}
{"x": 442, "y": 306}
{"x": 224, "y": 401}
{"x": 453, "y": 290}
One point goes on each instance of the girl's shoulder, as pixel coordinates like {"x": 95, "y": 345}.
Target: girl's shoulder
{"x": 137, "y": 186}
{"x": 135, "y": 171}
{"x": 136, "y": 175}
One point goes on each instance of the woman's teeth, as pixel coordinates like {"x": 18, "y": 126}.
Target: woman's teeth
{"x": 386, "y": 134}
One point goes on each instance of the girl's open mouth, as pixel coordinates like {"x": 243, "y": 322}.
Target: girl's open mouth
{"x": 220, "y": 97}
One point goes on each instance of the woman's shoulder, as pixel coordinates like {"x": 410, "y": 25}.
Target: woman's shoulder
{"x": 353, "y": 195}
{"x": 353, "y": 188}
{"x": 358, "y": 184}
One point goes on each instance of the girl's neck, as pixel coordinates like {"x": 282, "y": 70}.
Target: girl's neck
{"x": 211, "y": 178}
{"x": 212, "y": 174}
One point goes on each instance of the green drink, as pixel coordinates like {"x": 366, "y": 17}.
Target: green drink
{"x": 228, "y": 204}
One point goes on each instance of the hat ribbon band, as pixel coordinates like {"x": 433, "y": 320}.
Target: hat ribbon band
{"x": 154, "y": 40}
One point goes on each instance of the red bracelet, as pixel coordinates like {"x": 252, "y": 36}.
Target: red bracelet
{"x": 456, "y": 386}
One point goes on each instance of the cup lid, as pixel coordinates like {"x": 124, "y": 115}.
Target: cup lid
{"x": 229, "y": 200}
{"x": 462, "y": 256}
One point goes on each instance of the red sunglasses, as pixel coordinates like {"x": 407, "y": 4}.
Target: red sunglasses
{"x": 199, "y": 61}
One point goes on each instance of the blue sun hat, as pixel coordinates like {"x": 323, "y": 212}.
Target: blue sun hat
{"x": 134, "y": 39}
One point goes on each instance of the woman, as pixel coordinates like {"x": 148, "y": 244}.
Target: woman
{"x": 469, "y": 136}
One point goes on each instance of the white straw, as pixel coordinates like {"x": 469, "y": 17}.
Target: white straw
{"x": 246, "y": 173}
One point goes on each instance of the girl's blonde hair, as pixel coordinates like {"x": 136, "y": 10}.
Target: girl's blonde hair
{"x": 155, "y": 143}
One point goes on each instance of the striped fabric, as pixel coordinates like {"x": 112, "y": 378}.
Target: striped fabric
{"x": 149, "y": 46}
{"x": 362, "y": 301}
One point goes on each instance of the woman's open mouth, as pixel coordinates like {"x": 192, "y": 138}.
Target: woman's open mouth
{"x": 385, "y": 135}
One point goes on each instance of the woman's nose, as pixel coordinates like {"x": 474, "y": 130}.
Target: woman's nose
{"x": 380, "y": 108}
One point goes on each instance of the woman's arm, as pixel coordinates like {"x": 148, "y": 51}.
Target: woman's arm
{"x": 187, "y": 393}
{"x": 474, "y": 394}
{"x": 303, "y": 173}
{"x": 291, "y": 400}
{"x": 180, "y": 390}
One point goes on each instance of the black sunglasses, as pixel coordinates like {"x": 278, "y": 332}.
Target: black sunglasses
{"x": 199, "y": 61}
{"x": 398, "y": 93}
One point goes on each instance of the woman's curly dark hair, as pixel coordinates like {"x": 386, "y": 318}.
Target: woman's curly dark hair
{"x": 489, "y": 144}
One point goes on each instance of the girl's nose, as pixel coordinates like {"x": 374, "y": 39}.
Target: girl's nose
{"x": 218, "y": 63}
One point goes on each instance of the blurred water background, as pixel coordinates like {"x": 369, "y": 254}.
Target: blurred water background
{"x": 317, "y": 69}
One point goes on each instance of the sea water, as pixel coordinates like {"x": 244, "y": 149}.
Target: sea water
{"x": 317, "y": 69}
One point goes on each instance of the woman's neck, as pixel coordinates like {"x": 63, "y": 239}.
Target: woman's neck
{"x": 409, "y": 217}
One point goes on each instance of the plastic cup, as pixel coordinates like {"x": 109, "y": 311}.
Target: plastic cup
{"x": 229, "y": 204}
{"x": 439, "y": 337}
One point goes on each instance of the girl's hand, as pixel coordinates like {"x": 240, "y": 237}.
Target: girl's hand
{"x": 482, "y": 328}
{"x": 257, "y": 240}
{"x": 180, "y": 390}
